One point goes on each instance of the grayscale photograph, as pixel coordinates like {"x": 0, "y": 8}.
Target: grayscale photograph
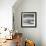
{"x": 28, "y": 19}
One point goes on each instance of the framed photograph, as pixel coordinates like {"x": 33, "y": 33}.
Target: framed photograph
{"x": 28, "y": 19}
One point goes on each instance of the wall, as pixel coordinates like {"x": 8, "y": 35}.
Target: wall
{"x": 6, "y": 13}
{"x": 43, "y": 22}
{"x": 28, "y": 6}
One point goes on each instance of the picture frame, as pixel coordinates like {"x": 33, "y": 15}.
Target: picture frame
{"x": 29, "y": 19}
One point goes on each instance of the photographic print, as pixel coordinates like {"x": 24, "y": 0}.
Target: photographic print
{"x": 28, "y": 19}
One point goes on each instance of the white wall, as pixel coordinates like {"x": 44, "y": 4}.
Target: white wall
{"x": 6, "y": 13}
{"x": 28, "y": 6}
{"x": 43, "y": 22}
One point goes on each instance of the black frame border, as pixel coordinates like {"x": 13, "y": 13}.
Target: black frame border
{"x": 35, "y": 20}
